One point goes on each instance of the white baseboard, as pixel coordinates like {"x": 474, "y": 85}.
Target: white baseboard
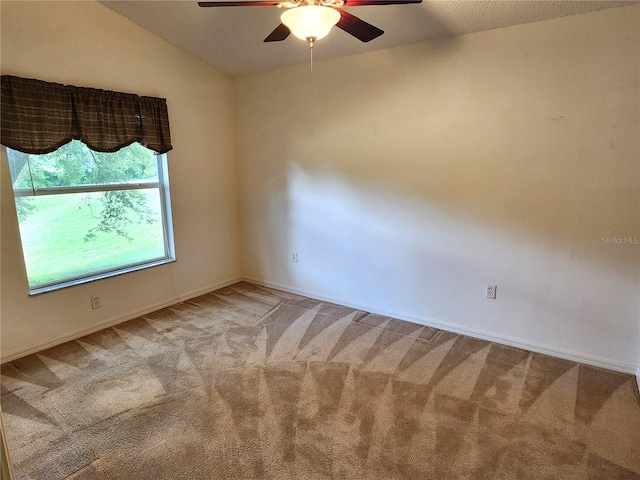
{"x": 110, "y": 322}
{"x": 472, "y": 332}
{"x": 514, "y": 342}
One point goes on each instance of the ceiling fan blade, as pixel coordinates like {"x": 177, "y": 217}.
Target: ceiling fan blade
{"x": 280, "y": 33}
{"x": 360, "y": 29}
{"x": 240, "y": 3}
{"x": 359, "y": 3}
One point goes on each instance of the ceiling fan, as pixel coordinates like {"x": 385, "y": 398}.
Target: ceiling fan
{"x": 312, "y": 20}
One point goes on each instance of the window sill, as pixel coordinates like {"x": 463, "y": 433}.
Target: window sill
{"x": 98, "y": 276}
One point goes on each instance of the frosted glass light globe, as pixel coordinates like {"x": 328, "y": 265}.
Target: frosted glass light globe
{"x": 310, "y": 22}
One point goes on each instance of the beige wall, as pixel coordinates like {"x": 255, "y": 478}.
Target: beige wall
{"x": 85, "y": 44}
{"x": 410, "y": 178}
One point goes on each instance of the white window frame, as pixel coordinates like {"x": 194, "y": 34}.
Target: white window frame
{"x": 167, "y": 225}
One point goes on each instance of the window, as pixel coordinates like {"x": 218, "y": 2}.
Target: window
{"x": 86, "y": 215}
{"x": 91, "y": 200}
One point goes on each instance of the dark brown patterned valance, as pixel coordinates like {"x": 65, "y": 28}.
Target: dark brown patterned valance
{"x": 39, "y": 117}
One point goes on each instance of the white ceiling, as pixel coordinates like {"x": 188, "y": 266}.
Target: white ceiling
{"x": 231, "y": 38}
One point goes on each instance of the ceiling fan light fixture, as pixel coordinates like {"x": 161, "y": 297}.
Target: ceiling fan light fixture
{"x": 310, "y": 22}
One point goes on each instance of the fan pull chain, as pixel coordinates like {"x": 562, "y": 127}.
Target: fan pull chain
{"x": 311, "y": 42}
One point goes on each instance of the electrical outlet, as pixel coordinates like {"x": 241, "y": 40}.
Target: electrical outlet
{"x": 96, "y": 302}
{"x": 491, "y": 291}
{"x": 294, "y": 257}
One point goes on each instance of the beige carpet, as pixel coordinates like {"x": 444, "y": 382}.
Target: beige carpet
{"x": 252, "y": 383}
